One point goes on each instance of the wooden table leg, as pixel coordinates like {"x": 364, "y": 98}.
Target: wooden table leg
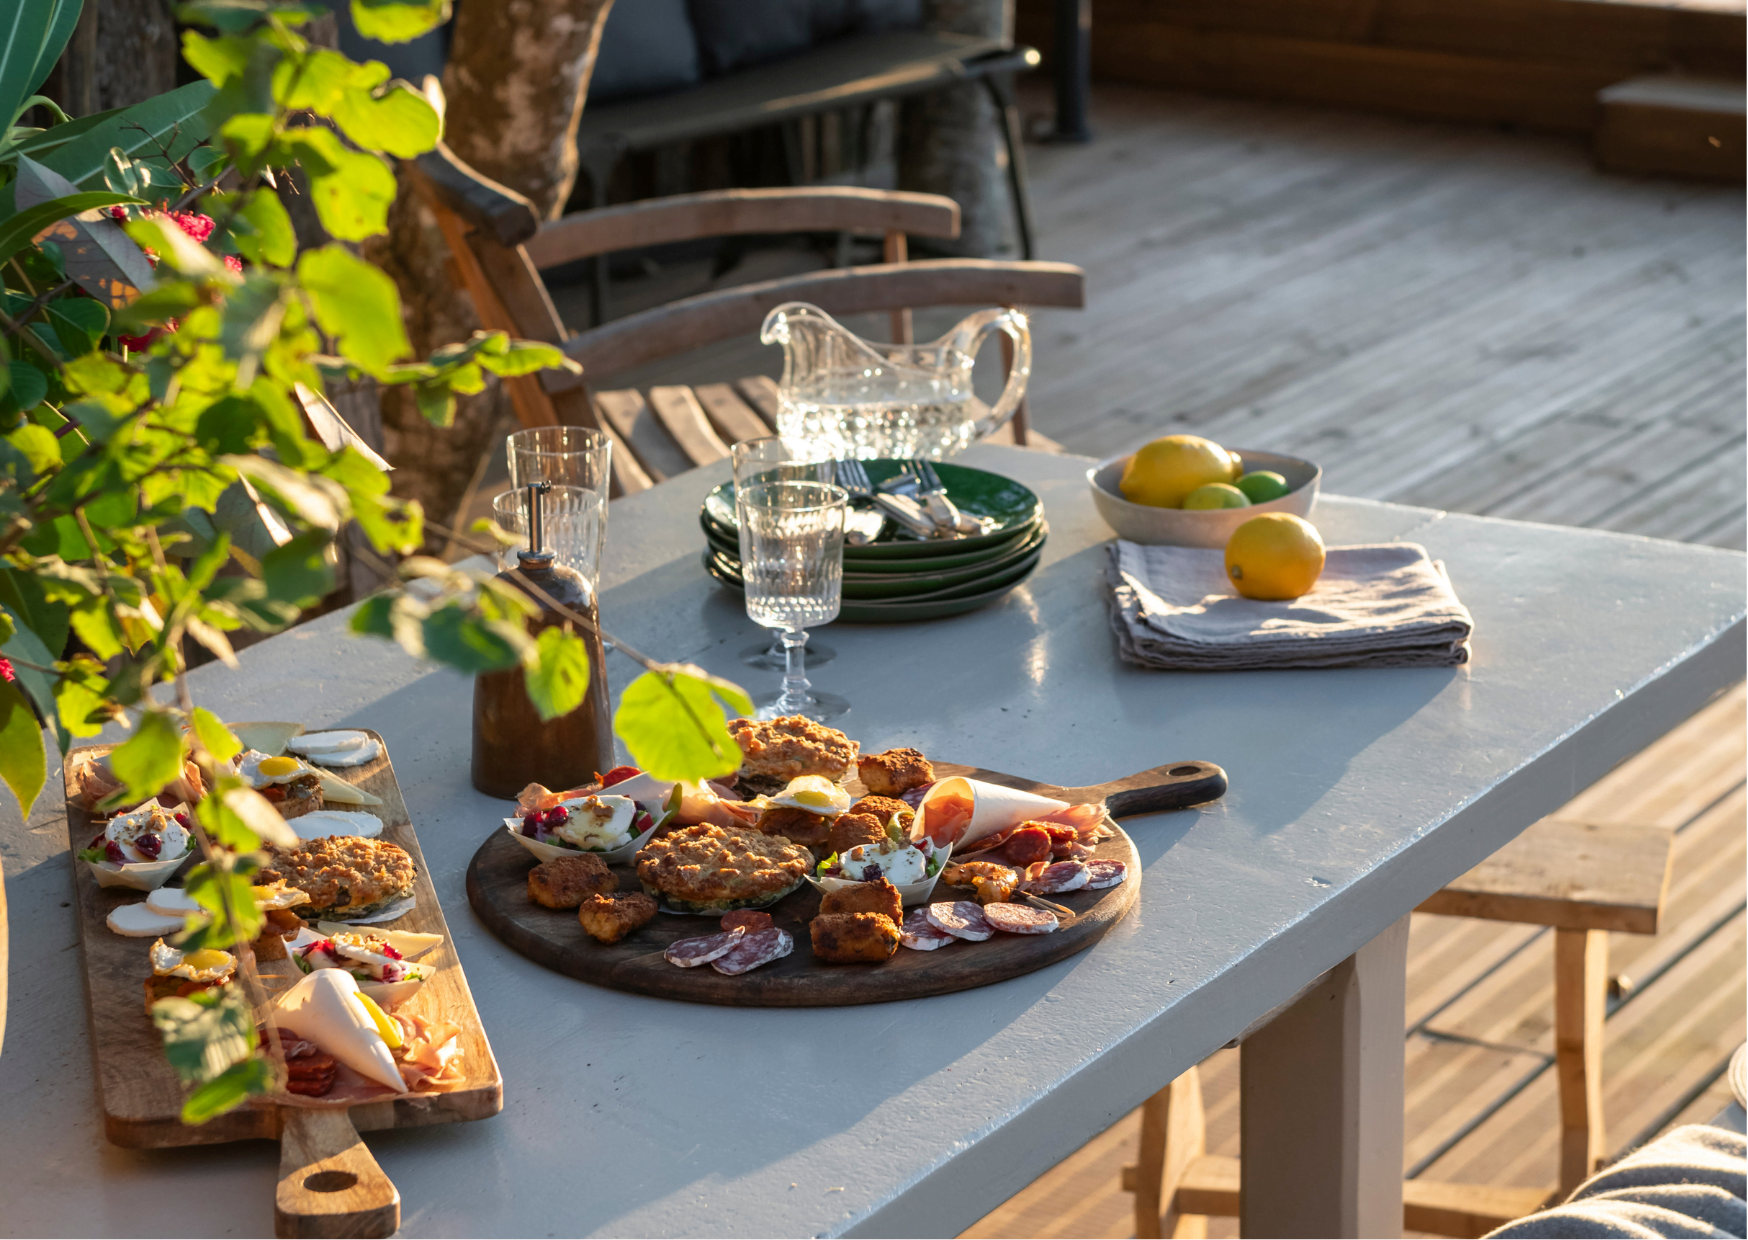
{"x": 1320, "y": 1104}
{"x": 1580, "y": 1004}
{"x": 1173, "y": 1135}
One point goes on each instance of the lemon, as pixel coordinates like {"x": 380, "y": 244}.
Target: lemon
{"x": 1262, "y": 486}
{"x": 390, "y": 1030}
{"x": 1216, "y": 495}
{"x": 1274, "y": 556}
{"x": 1163, "y": 472}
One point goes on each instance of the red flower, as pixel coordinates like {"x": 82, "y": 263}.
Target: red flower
{"x": 6, "y": 672}
{"x": 198, "y": 227}
{"x": 233, "y": 264}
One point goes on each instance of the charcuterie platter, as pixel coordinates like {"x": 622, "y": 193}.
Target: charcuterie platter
{"x": 644, "y": 960}
{"x": 329, "y": 1184}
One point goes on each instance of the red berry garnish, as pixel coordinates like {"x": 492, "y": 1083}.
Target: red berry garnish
{"x": 150, "y": 845}
{"x": 182, "y": 821}
{"x": 112, "y": 850}
{"x": 618, "y": 775}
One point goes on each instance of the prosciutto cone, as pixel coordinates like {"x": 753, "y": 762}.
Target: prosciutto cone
{"x": 943, "y": 814}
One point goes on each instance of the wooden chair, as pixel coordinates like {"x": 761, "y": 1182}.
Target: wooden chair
{"x": 499, "y": 247}
{"x": 1581, "y": 879}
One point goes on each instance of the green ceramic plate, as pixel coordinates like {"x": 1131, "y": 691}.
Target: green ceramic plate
{"x": 881, "y": 592}
{"x": 856, "y": 612}
{"x": 728, "y": 542}
{"x": 900, "y": 584}
{"x": 975, "y": 491}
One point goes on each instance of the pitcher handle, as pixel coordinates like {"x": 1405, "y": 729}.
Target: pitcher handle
{"x": 1013, "y": 324}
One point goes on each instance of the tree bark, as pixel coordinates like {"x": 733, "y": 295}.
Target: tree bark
{"x": 950, "y": 141}
{"x": 517, "y": 76}
{"x": 121, "y": 52}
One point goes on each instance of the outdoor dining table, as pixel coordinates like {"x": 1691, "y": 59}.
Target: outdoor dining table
{"x": 1354, "y": 795}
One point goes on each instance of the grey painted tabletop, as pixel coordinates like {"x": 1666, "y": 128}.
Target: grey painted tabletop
{"x": 1354, "y": 795}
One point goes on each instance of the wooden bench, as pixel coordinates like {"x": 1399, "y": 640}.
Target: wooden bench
{"x": 1581, "y": 879}
{"x": 499, "y": 247}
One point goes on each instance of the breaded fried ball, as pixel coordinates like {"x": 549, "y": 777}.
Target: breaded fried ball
{"x": 894, "y": 772}
{"x": 564, "y": 882}
{"x": 796, "y": 825}
{"x": 610, "y": 918}
{"x": 879, "y": 896}
{"x": 883, "y": 808}
{"x": 852, "y": 829}
{"x": 854, "y": 938}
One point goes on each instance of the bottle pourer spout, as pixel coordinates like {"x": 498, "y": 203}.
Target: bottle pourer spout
{"x": 536, "y": 525}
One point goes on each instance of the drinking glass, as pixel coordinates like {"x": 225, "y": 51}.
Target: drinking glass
{"x": 792, "y": 560}
{"x": 774, "y": 459}
{"x": 577, "y": 461}
{"x": 574, "y": 524}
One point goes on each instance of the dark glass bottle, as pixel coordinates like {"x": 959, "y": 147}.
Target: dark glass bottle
{"x": 512, "y": 746}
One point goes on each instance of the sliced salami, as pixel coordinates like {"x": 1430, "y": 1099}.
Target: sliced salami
{"x": 962, "y": 919}
{"x": 1063, "y": 876}
{"x": 1106, "y": 873}
{"x": 690, "y": 953}
{"x": 759, "y": 947}
{"x": 1020, "y": 919}
{"x": 920, "y": 934}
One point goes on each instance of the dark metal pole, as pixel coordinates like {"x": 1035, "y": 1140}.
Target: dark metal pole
{"x": 1073, "y": 57}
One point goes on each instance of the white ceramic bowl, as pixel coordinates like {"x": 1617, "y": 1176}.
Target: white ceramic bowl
{"x": 1206, "y": 527}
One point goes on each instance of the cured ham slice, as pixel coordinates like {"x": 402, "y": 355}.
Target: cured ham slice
{"x": 1060, "y": 877}
{"x": 1102, "y": 874}
{"x": 1019, "y": 919}
{"x": 759, "y": 947}
{"x": 963, "y": 811}
{"x": 962, "y": 919}
{"x": 920, "y": 934}
{"x": 690, "y": 953}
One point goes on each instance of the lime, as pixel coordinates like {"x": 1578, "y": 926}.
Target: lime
{"x": 1274, "y": 556}
{"x": 1163, "y": 472}
{"x": 1262, "y": 486}
{"x": 1216, "y": 495}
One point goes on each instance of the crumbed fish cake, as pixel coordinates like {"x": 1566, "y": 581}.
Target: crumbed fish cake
{"x": 852, "y": 829}
{"x": 886, "y": 809}
{"x": 775, "y": 751}
{"x": 565, "y": 882}
{"x": 712, "y": 869}
{"x": 796, "y": 825}
{"x": 344, "y": 875}
{"x": 609, "y": 918}
{"x": 879, "y": 896}
{"x": 895, "y": 772}
{"x": 853, "y": 938}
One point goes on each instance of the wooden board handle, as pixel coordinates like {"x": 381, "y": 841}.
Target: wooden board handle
{"x": 1177, "y": 785}
{"x": 329, "y": 1185}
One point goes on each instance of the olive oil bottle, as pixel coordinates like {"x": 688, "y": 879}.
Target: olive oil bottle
{"x": 512, "y": 746}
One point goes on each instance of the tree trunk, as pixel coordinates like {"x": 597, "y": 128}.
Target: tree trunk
{"x": 517, "y": 76}
{"x": 121, "y": 52}
{"x": 950, "y": 141}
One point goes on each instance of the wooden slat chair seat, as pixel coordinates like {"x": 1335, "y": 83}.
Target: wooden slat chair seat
{"x": 1581, "y": 879}
{"x": 499, "y": 247}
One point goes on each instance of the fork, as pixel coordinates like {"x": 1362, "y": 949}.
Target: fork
{"x": 852, "y": 475}
{"x": 946, "y": 513}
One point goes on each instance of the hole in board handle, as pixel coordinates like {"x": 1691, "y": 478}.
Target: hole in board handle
{"x": 330, "y": 1181}
{"x": 1185, "y": 770}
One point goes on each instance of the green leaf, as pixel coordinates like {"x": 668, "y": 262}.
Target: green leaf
{"x": 393, "y": 118}
{"x": 205, "y": 1034}
{"x": 212, "y": 889}
{"x": 22, "y": 763}
{"x": 79, "y": 322}
{"x": 79, "y": 697}
{"x": 457, "y": 638}
{"x": 228, "y": 1090}
{"x": 39, "y": 446}
{"x": 557, "y": 672}
{"x": 26, "y": 389}
{"x": 171, "y": 119}
{"x": 214, "y": 736}
{"x": 151, "y": 757}
{"x": 374, "y": 617}
{"x": 675, "y": 728}
{"x": 396, "y": 21}
{"x": 24, "y": 32}
{"x": 226, "y": 829}
{"x": 273, "y": 241}
{"x": 217, "y": 60}
{"x": 299, "y": 572}
{"x": 96, "y": 628}
{"x": 524, "y": 357}
{"x": 19, "y": 230}
{"x": 357, "y": 304}
{"x": 55, "y": 42}
{"x": 351, "y": 190}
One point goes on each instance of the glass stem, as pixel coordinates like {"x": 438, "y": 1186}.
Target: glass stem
{"x": 795, "y": 686}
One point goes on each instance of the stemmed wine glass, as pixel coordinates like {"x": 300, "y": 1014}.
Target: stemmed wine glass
{"x": 792, "y": 561}
{"x": 775, "y": 459}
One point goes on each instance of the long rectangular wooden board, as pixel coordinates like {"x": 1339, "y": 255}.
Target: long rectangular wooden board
{"x": 137, "y": 1090}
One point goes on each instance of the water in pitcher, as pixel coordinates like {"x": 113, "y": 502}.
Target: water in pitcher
{"x": 931, "y": 427}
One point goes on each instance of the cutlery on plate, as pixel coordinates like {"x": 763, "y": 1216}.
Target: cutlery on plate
{"x": 853, "y": 477}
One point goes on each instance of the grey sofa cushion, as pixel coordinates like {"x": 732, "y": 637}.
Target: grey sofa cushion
{"x": 647, "y": 48}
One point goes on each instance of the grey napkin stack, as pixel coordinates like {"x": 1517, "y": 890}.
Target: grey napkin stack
{"x": 1375, "y": 606}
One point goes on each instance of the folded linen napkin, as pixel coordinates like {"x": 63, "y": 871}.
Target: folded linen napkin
{"x": 1387, "y": 605}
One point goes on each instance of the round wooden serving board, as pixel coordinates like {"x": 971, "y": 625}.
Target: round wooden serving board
{"x": 497, "y": 887}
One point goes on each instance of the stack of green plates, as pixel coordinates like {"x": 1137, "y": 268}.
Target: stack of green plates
{"x": 901, "y": 577}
